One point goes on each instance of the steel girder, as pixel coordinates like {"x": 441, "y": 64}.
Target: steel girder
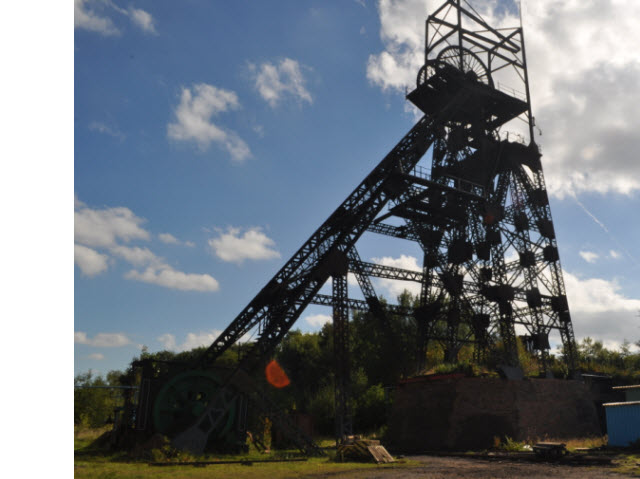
{"x": 279, "y": 304}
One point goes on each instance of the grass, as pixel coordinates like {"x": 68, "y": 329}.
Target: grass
{"x": 625, "y": 461}
{"x": 628, "y": 464}
{"x": 95, "y": 463}
{"x": 579, "y": 442}
{"x": 83, "y": 437}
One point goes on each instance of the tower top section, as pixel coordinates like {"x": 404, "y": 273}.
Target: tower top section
{"x": 461, "y": 48}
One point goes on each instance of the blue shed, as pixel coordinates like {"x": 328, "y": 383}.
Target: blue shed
{"x": 623, "y": 422}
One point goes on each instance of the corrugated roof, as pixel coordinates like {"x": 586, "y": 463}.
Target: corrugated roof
{"x": 628, "y": 403}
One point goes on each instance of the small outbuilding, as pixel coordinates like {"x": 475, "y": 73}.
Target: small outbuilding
{"x": 623, "y": 423}
{"x": 631, "y": 393}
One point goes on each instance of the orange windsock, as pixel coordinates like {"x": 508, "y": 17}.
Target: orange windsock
{"x": 276, "y": 375}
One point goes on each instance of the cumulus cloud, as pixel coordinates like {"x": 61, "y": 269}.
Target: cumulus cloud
{"x": 318, "y": 320}
{"x": 589, "y": 256}
{"x": 93, "y": 15}
{"x": 584, "y": 86}
{"x": 164, "y": 275}
{"x": 90, "y": 262}
{"x": 393, "y": 287}
{"x": 614, "y": 254}
{"x": 193, "y": 120}
{"x": 235, "y": 246}
{"x": 107, "y": 228}
{"x": 277, "y": 80}
{"x": 192, "y": 340}
{"x": 102, "y": 340}
{"x": 168, "y": 238}
{"x": 86, "y": 18}
{"x": 402, "y": 33}
{"x": 195, "y": 340}
{"x": 137, "y": 255}
{"x": 143, "y": 20}
{"x": 104, "y": 227}
{"x": 168, "y": 341}
{"x": 600, "y": 310}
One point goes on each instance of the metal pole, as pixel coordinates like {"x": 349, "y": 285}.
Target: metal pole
{"x": 526, "y": 78}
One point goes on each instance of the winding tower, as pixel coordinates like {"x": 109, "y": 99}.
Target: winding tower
{"x": 476, "y": 205}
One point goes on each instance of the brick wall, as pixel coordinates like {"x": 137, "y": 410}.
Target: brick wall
{"x": 467, "y": 413}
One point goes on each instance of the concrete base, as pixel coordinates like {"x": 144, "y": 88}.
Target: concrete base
{"x": 459, "y": 413}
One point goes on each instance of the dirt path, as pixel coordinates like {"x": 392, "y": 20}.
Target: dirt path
{"x": 432, "y": 467}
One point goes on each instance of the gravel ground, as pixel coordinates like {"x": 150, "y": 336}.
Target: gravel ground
{"x": 433, "y": 467}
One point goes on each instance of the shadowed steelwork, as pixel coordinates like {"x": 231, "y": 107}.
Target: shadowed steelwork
{"x": 478, "y": 209}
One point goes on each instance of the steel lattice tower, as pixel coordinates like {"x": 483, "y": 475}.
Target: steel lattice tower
{"x": 490, "y": 254}
{"x": 479, "y": 212}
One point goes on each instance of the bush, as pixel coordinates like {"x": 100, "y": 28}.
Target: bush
{"x": 510, "y": 445}
{"x": 322, "y": 408}
{"x": 371, "y": 409}
{"x": 94, "y": 406}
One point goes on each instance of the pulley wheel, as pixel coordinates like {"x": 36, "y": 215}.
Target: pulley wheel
{"x": 185, "y": 397}
{"x": 467, "y": 62}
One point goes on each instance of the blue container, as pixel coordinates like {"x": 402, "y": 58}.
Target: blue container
{"x": 623, "y": 422}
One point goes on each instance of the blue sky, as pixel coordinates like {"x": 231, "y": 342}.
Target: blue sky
{"x": 211, "y": 139}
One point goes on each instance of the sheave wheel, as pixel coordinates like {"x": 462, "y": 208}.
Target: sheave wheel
{"x": 184, "y": 398}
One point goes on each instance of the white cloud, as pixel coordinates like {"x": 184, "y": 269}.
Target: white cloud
{"x": 614, "y": 254}
{"x": 166, "y": 276}
{"x": 96, "y": 356}
{"x": 77, "y": 203}
{"x": 92, "y": 15}
{"x": 102, "y": 340}
{"x": 136, "y": 255}
{"x": 584, "y": 86}
{"x": 168, "y": 341}
{"x": 193, "y": 120}
{"x": 105, "y": 228}
{"x": 600, "y": 310}
{"x": 168, "y": 238}
{"x": 234, "y": 247}
{"x": 90, "y": 262}
{"x": 318, "y": 320}
{"x": 589, "y": 256}
{"x": 192, "y": 340}
{"x": 274, "y": 81}
{"x": 102, "y": 228}
{"x": 101, "y": 127}
{"x": 88, "y": 19}
{"x": 142, "y": 19}
{"x": 394, "y": 287}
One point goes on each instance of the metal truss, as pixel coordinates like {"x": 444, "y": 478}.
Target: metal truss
{"x": 480, "y": 215}
{"x": 325, "y": 254}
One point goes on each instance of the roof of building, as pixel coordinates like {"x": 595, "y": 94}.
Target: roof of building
{"x": 628, "y": 403}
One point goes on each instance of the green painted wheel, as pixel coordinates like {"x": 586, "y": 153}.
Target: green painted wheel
{"x": 185, "y": 396}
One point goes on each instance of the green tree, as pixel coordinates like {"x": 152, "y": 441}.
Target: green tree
{"x": 94, "y": 402}
{"x": 307, "y": 364}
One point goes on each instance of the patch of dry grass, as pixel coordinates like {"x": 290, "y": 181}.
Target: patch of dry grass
{"x": 577, "y": 442}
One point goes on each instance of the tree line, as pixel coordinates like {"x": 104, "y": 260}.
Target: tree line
{"x": 382, "y": 351}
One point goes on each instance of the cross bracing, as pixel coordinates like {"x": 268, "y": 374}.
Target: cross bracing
{"x": 472, "y": 200}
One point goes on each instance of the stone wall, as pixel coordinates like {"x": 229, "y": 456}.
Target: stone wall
{"x": 468, "y": 413}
